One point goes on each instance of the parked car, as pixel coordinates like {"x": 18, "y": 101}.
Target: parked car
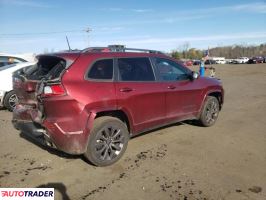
{"x": 210, "y": 62}
{"x": 220, "y": 61}
{"x": 240, "y": 60}
{"x": 189, "y": 63}
{"x": 228, "y": 61}
{"x": 255, "y": 60}
{"x": 8, "y": 59}
{"x": 8, "y": 98}
{"x": 196, "y": 62}
{"x": 264, "y": 59}
{"x": 92, "y": 101}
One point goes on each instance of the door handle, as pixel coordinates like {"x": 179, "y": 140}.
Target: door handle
{"x": 126, "y": 90}
{"x": 171, "y": 87}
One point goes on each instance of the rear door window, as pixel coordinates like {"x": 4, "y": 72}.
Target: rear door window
{"x": 135, "y": 69}
{"x": 102, "y": 70}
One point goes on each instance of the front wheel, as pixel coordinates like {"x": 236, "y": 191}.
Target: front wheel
{"x": 10, "y": 100}
{"x": 107, "y": 141}
{"x": 210, "y": 111}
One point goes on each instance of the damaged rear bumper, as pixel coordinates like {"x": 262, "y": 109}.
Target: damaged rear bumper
{"x": 69, "y": 143}
{"x": 34, "y": 131}
{"x": 56, "y": 133}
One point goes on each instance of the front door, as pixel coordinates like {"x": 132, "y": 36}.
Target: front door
{"x": 180, "y": 91}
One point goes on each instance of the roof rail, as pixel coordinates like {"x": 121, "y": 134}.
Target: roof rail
{"x": 118, "y": 48}
{"x": 93, "y": 49}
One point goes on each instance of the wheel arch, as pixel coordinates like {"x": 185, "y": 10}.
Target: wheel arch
{"x": 120, "y": 114}
{"x": 6, "y": 92}
{"x": 6, "y": 98}
{"x": 217, "y": 93}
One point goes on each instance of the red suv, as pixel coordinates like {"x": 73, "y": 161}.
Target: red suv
{"x": 92, "y": 101}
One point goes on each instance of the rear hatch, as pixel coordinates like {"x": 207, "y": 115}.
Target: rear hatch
{"x": 28, "y": 83}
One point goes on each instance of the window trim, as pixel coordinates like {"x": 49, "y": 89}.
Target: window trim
{"x": 99, "y": 80}
{"x": 158, "y": 74}
{"x": 117, "y": 78}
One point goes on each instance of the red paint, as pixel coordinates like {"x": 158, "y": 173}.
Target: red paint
{"x": 68, "y": 117}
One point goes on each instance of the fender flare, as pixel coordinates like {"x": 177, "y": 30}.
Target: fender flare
{"x": 92, "y": 115}
{"x": 205, "y": 98}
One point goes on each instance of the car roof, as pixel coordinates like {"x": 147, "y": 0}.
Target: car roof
{"x": 110, "y": 49}
{"x": 27, "y": 57}
{"x": 23, "y": 64}
{"x": 72, "y": 55}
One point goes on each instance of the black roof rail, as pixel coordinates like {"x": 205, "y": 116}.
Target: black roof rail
{"x": 118, "y": 48}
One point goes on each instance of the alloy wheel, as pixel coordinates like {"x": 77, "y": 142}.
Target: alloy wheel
{"x": 13, "y": 99}
{"x": 109, "y": 143}
{"x": 212, "y": 111}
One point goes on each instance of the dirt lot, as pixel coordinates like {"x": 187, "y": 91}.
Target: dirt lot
{"x": 226, "y": 161}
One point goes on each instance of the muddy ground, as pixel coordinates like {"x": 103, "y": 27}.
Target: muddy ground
{"x": 182, "y": 161}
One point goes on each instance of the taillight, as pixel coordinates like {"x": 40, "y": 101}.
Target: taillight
{"x": 53, "y": 90}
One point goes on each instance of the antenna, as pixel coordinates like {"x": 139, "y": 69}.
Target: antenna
{"x": 68, "y": 44}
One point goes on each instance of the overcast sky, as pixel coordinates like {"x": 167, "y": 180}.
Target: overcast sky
{"x": 40, "y": 25}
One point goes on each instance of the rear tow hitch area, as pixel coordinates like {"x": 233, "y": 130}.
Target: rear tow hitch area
{"x": 34, "y": 131}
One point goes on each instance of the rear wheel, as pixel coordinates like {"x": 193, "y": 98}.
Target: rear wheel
{"x": 210, "y": 111}
{"x": 107, "y": 141}
{"x": 10, "y": 100}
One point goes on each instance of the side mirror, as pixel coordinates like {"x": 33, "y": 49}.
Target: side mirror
{"x": 194, "y": 75}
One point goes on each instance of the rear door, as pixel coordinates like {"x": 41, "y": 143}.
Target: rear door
{"x": 138, "y": 93}
{"x": 181, "y": 93}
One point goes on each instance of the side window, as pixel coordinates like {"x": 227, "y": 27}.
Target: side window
{"x": 135, "y": 69}
{"x": 170, "y": 71}
{"x": 17, "y": 60}
{"x": 6, "y": 60}
{"x": 102, "y": 69}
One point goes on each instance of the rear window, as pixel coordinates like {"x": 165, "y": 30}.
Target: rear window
{"x": 102, "y": 69}
{"x": 48, "y": 67}
{"x": 135, "y": 69}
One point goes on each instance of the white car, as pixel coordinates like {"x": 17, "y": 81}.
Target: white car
{"x": 8, "y": 59}
{"x": 241, "y": 60}
{"x": 8, "y": 98}
{"x": 220, "y": 61}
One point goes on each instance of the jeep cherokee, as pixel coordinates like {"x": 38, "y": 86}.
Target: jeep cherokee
{"x": 92, "y": 101}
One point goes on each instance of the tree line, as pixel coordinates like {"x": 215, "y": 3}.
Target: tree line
{"x": 234, "y": 51}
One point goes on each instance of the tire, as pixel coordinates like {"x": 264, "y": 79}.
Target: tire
{"x": 10, "y": 100}
{"x": 107, "y": 141}
{"x": 210, "y": 112}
